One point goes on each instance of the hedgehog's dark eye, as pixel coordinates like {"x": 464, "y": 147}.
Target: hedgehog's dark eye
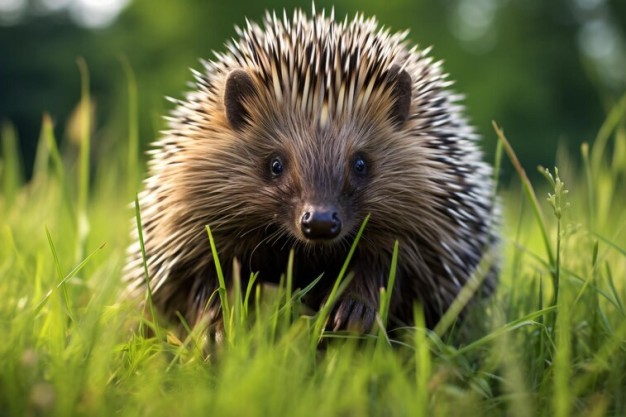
{"x": 276, "y": 166}
{"x": 359, "y": 166}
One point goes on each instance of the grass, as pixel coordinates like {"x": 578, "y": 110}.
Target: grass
{"x": 551, "y": 342}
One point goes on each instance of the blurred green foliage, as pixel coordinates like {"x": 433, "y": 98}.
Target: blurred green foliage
{"x": 545, "y": 70}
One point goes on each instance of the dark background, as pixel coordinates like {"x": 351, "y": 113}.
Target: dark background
{"x": 547, "y": 71}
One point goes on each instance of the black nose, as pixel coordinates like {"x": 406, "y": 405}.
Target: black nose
{"x": 320, "y": 223}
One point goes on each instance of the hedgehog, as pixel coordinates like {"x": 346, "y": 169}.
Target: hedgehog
{"x": 286, "y": 142}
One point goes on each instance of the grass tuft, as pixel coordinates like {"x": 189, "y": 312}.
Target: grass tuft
{"x": 549, "y": 342}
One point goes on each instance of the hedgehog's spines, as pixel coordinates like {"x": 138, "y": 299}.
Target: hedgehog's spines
{"x": 319, "y": 92}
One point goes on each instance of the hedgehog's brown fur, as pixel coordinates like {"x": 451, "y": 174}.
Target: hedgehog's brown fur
{"x": 317, "y": 95}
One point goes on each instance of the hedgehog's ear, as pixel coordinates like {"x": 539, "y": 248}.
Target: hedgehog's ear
{"x": 239, "y": 87}
{"x": 402, "y": 85}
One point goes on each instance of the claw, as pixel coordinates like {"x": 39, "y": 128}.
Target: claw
{"x": 353, "y": 316}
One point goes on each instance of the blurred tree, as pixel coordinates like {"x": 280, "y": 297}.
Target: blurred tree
{"x": 546, "y": 71}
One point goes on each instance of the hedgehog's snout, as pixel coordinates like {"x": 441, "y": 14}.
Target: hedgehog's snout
{"x": 320, "y": 223}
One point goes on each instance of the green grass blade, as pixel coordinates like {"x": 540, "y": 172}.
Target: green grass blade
{"x": 10, "y": 164}
{"x": 222, "y": 290}
{"x": 335, "y": 291}
{"x": 250, "y": 286}
{"x": 615, "y": 292}
{"x": 385, "y": 300}
{"x": 561, "y": 400}
{"x": 423, "y": 364}
{"x": 620, "y": 250}
{"x": 466, "y": 294}
{"x": 529, "y": 190}
{"x": 42, "y": 156}
{"x": 617, "y": 114}
{"x": 591, "y": 191}
{"x": 84, "y": 158}
{"x": 530, "y": 319}
{"x": 299, "y": 294}
{"x": 59, "y": 168}
{"x": 133, "y": 125}
{"x": 61, "y": 278}
{"x": 144, "y": 258}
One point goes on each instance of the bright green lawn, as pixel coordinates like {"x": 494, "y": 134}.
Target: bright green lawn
{"x": 70, "y": 344}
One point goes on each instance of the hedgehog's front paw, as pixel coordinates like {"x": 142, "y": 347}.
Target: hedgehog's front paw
{"x": 352, "y": 315}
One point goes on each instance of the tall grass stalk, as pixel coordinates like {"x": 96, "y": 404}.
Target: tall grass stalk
{"x": 616, "y": 116}
{"x": 558, "y": 206}
{"x": 10, "y": 166}
{"x": 339, "y": 286}
{"x": 222, "y": 290}
{"x": 423, "y": 365}
{"x": 133, "y": 126}
{"x": 591, "y": 212}
{"x": 148, "y": 299}
{"x": 84, "y": 158}
{"x": 561, "y": 326}
{"x": 387, "y": 293}
{"x": 528, "y": 189}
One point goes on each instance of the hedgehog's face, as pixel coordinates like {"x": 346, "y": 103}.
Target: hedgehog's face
{"x": 317, "y": 192}
{"x": 315, "y": 175}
